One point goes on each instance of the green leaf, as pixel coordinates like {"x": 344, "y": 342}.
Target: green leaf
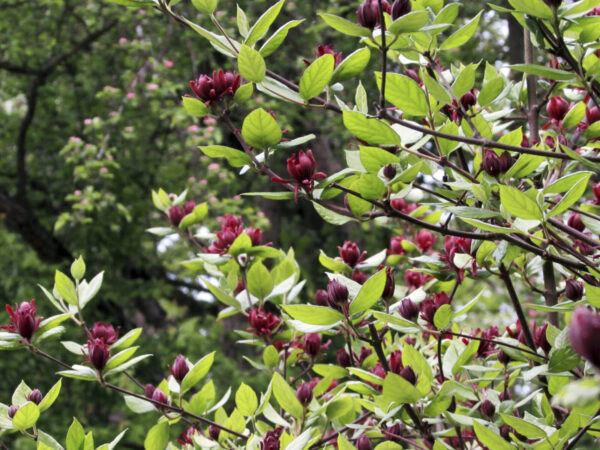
{"x": 487, "y": 226}
{"x": 277, "y": 38}
{"x": 75, "y": 436}
{"x": 260, "y": 28}
{"x": 134, "y": 3}
{"x": 236, "y": 158}
{"x": 352, "y": 65}
{"x": 316, "y": 77}
{"x": 436, "y": 89}
{"x": 371, "y": 130}
{"x": 240, "y": 245}
{"x": 260, "y": 129}
{"x": 374, "y": 158}
{"x": 89, "y": 290}
{"x": 397, "y": 389}
{"x": 518, "y": 204}
{"x": 66, "y": 288}
{"x": 313, "y": 315}
{"x": 535, "y": 8}
{"x": 344, "y": 26}
{"x": 78, "y": 268}
{"x": 332, "y": 217}
{"x": 344, "y": 444}
{"x": 158, "y": 437}
{"x": 491, "y": 439}
{"x": 543, "y": 71}
{"x": 50, "y": 397}
{"x": 571, "y": 197}
{"x": 285, "y": 195}
{"x": 524, "y": 165}
{"x": 197, "y": 372}
{"x": 120, "y": 358}
{"x": 196, "y": 216}
{"x": 260, "y": 281}
{"x": 334, "y": 265}
{"x": 26, "y": 416}
{"x": 404, "y": 93}
{"x": 567, "y": 182}
{"x": 463, "y": 34}
{"x": 246, "y": 400}
{"x": 409, "y": 23}
{"x": 369, "y": 293}
{"x": 205, "y": 6}
{"x": 271, "y": 357}
{"x": 127, "y": 340}
{"x": 195, "y": 107}
{"x": 465, "y": 80}
{"x": 251, "y": 64}
{"x": 243, "y": 93}
{"x": 472, "y": 213}
{"x": 523, "y": 427}
{"x": 286, "y": 397}
{"x": 574, "y": 116}
{"x": 490, "y": 90}
{"x": 442, "y": 317}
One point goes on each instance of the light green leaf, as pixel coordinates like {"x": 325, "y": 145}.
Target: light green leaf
{"x": 316, "y": 77}
{"x": 371, "y": 130}
{"x": 518, "y": 204}
{"x": 50, "y": 397}
{"x": 374, "y": 158}
{"x": 246, "y": 400}
{"x": 286, "y": 397}
{"x": 158, "y": 437}
{"x": 75, "y": 436}
{"x": 397, "y": 389}
{"x": 66, "y": 288}
{"x": 195, "y": 107}
{"x": 236, "y": 158}
{"x": 523, "y": 427}
{"x": 369, "y": 293}
{"x": 409, "y": 23}
{"x": 196, "y": 216}
{"x": 260, "y": 28}
{"x": 260, "y": 129}
{"x": 313, "y": 315}
{"x": 344, "y": 26}
{"x": 26, "y": 416}
{"x": 251, "y": 64}
{"x": 78, "y": 268}
{"x": 260, "y": 281}
{"x": 490, "y": 439}
{"x": 463, "y": 34}
{"x": 543, "y": 71}
{"x": 404, "y": 93}
{"x": 571, "y": 197}
{"x": 197, "y": 372}
{"x": 352, "y": 65}
{"x": 205, "y": 6}
{"x": 442, "y": 317}
{"x": 332, "y": 217}
{"x": 277, "y": 38}
{"x": 535, "y": 8}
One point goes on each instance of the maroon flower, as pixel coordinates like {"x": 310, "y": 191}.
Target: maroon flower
{"x": 396, "y": 361}
{"x": 363, "y": 443}
{"x": 487, "y": 408}
{"x": 574, "y": 290}
{"x": 485, "y": 347}
{"x": 428, "y": 310}
{"x": 506, "y": 162}
{"x": 454, "y": 245}
{"x": 255, "y": 235}
{"x": 553, "y": 3}
{"x": 408, "y": 374}
{"x": 220, "y": 85}
{"x": 159, "y": 396}
{"x": 304, "y": 393}
{"x": 597, "y": 192}
{"x": 271, "y": 440}
{"x": 98, "y": 353}
{"x": 106, "y": 332}
{"x": 177, "y": 213}
{"x": 214, "y": 432}
{"x": 557, "y": 107}
{"x": 186, "y": 436}
{"x": 365, "y": 352}
{"x": 343, "y": 358}
{"x": 23, "y": 319}
{"x": 389, "y": 171}
{"x": 338, "y": 293}
{"x": 469, "y": 99}
{"x": 491, "y": 163}
{"x": 408, "y": 309}
{"x": 368, "y": 13}
{"x": 393, "y": 433}
{"x": 35, "y": 396}
{"x": 327, "y": 50}
{"x": 396, "y": 246}
{"x": 302, "y": 170}
{"x": 414, "y": 280}
{"x": 390, "y": 285}
{"x": 263, "y": 323}
{"x": 539, "y": 337}
{"x": 350, "y": 253}
{"x": 592, "y": 115}
{"x": 321, "y": 298}
{"x": 179, "y": 369}
{"x": 575, "y": 222}
{"x": 149, "y": 390}
{"x": 359, "y": 277}
{"x": 425, "y": 240}
{"x": 12, "y": 410}
{"x": 400, "y": 8}
{"x": 503, "y": 357}
{"x": 402, "y": 205}
{"x": 312, "y": 344}
{"x": 231, "y": 228}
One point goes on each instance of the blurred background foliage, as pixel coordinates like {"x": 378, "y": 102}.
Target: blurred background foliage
{"x": 92, "y": 121}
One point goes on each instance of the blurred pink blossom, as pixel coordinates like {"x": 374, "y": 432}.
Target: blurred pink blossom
{"x": 74, "y": 139}
{"x": 193, "y": 128}
{"x": 203, "y": 182}
{"x": 237, "y": 197}
{"x": 87, "y": 121}
{"x": 131, "y": 95}
{"x": 213, "y": 166}
{"x": 168, "y": 63}
{"x": 152, "y": 87}
{"x": 123, "y": 40}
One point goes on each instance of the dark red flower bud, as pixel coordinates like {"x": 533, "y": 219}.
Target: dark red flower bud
{"x": 98, "y": 353}
{"x": 584, "y": 330}
{"x": 396, "y": 361}
{"x": 263, "y": 323}
{"x": 425, "y": 240}
{"x": 414, "y": 280}
{"x": 393, "y": 433}
{"x": 469, "y": 99}
{"x": 597, "y": 192}
{"x": 304, "y": 393}
{"x": 583, "y": 247}
{"x": 350, "y": 253}
{"x": 428, "y": 310}
{"x": 505, "y": 431}
{"x": 396, "y": 246}
{"x": 12, "y": 410}
{"x": 400, "y": 8}
{"x": 359, "y": 277}
{"x": 574, "y": 290}
{"x": 525, "y": 141}
{"x": 553, "y": 3}
{"x": 390, "y": 285}
{"x": 557, "y": 107}
{"x": 505, "y": 395}
{"x": 539, "y": 338}
{"x": 338, "y": 293}
{"x": 575, "y": 222}
{"x": 187, "y": 436}
{"x": 321, "y": 298}
{"x": 159, "y": 396}
{"x": 409, "y": 375}
{"x": 365, "y": 352}
{"x": 408, "y": 309}
{"x": 363, "y": 443}
{"x": 220, "y": 85}
{"x": 176, "y": 214}
{"x": 255, "y": 235}
{"x": 106, "y": 332}
{"x": 180, "y": 368}
{"x": 23, "y": 319}
{"x": 302, "y": 167}
{"x": 35, "y": 396}
{"x": 491, "y": 163}
{"x": 312, "y": 344}
{"x": 149, "y": 390}
{"x": 592, "y": 115}
{"x": 389, "y": 171}
{"x": 506, "y": 162}
{"x": 343, "y": 358}
{"x": 214, "y": 432}
{"x": 503, "y": 357}
{"x": 272, "y": 439}
{"x": 327, "y": 50}
{"x": 487, "y": 408}
{"x": 368, "y": 13}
